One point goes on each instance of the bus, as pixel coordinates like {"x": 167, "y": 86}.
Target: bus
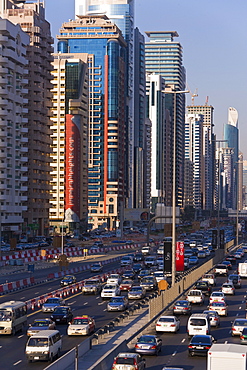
{"x": 13, "y": 317}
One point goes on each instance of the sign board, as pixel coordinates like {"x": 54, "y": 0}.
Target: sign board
{"x": 168, "y": 229}
{"x": 43, "y": 252}
{"x": 222, "y": 239}
{"x": 136, "y": 214}
{"x": 167, "y": 257}
{"x": 180, "y": 256}
{"x": 214, "y": 239}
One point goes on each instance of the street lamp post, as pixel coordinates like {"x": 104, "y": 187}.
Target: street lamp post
{"x": 175, "y": 92}
{"x": 237, "y": 200}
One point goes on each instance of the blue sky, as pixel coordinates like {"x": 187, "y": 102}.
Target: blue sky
{"x": 213, "y": 34}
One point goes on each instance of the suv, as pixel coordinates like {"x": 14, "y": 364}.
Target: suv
{"x": 221, "y": 269}
{"x": 92, "y": 286}
{"x": 204, "y": 286}
{"x": 129, "y": 361}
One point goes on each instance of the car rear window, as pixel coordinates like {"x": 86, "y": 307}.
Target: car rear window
{"x": 241, "y": 322}
{"x": 168, "y": 319}
{"x": 198, "y": 322}
{"x": 125, "y": 361}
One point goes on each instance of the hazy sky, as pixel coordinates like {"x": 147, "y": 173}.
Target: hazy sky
{"x": 213, "y": 34}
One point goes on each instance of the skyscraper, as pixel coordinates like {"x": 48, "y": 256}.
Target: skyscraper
{"x": 106, "y": 48}
{"x": 31, "y": 17}
{"x": 163, "y": 56}
{"x": 208, "y": 176}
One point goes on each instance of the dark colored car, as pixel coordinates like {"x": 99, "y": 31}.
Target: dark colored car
{"x": 138, "y": 257}
{"x": 204, "y": 286}
{"x": 235, "y": 280}
{"x": 143, "y": 273}
{"x": 228, "y": 264}
{"x": 231, "y": 258}
{"x": 200, "y": 344}
{"x": 62, "y": 315}
{"x": 243, "y": 336}
{"x": 182, "y": 307}
{"x": 68, "y": 280}
{"x": 137, "y": 267}
{"x": 148, "y": 345}
{"x": 128, "y": 274}
{"x": 96, "y": 267}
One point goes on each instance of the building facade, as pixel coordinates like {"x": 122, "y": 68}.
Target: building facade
{"x": 31, "y": 17}
{"x": 208, "y": 154}
{"x": 106, "y": 48}
{"x": 193, "y": 161}
{"x": 13, "y": 128}
{"x": 163, "y": 56}
{"x": 70, "y": 141}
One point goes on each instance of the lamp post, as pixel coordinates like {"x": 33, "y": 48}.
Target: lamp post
{"x": 237, "y": 200}
{"x": 170, "y": 90}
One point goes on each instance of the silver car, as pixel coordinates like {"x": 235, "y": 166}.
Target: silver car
{"x": 128, "y": 361}
{"x": 117, "y": 304}
{"x": 137, "y": 292}
{"x": 51, "y": 303}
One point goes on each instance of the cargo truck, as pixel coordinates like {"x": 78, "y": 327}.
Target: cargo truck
{"x": 227, "y": 357}
{"x": 242, "y": 269}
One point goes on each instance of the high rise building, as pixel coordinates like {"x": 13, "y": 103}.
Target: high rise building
{"x": 121, "y": 13}
{"x": 31, "y": 17}
{"x": 208, "y": 146}
{"x": 231, "y": 136}
{"x": 163, "y": 56}
{"x": 13, "y": 129}
{"x": 193, "y": 161}
{"x": 106, "y": 48}
{"x": 69, "y": 149}
{"x": 245, "y": 184}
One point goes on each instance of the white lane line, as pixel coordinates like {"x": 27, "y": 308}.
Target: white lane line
{"x": 70, "y": 303}
{"x": 240, "y": 308}
{"x": 49, "y": 288}
{"x": 230, "y": 332}
{"x": 84, "y": 304}
{"x": 22, "y": 297}
{"x": 225, "y": 342}
{"x": 183, "y": 340}
{"x": 100, "y": 303}
{"x": 98, "y": 297}
{"x": 1, "y": 346}
{"x": 18, "y": 362}
{"x": 237, "y": 314}
{"x": 20, "y": 336}
{"x": 104, "y": 309}
{"x": 36, "y": 293}
{"x": 174, "y": 353}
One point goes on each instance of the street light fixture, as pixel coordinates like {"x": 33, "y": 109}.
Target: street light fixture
{"x": 170, "y": 90}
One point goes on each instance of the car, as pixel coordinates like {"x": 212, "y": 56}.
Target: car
{"x": 228, "y": 288}
{"x": 138, "y": 257}
{"x": 167, "y": 324}
{"x": 217, "y": 296}
{"x": 210, "y": 278}
{"x": 172, "y": 368}
{"x": 238, "y": 255}
{"x": 146, "y": 251}
{"x": 228, "y": 264}
{"x": 39, "y": 325}
{"x": 243, "y": 336}
{"x": 186, "y": 263}
{"x": 207, "y": 251}
{"x": 126, "y": 285}
{"x": 159, "y": 275}
{"x": 81, "y": 325}
{"x": 195, "y": 296}
{"x": 68, "y": 280}
{"x": 110, "y": 290}
{"x": 182, "y": 307}
{"x": 200, "y": 344}
{"x": 213, "y": 318}
{"x": 237, "y": 326}
{"x": 193, "y": 260}
{"x": 235, "y": 279}
{"x": 220, "y": 307}
{"x": 126, "y": 261}
{"x": 128, "y": 274}
{"x": 231, "y": 258}
{"x": 204, "y": 286}
{"x": 137, "y": 267}
{"x": 128, "y": 361}
{"x": 143, "y": 273}
{"x": 62, "y": 314}
{"x": 117, "y": 304}
{"x": 150, "y": 261}
{"x": 96, "y": 267}
{"x": 92, "y": 286}
{"x": 137, "y": 292}
{"x": 51, "y": 303}
{"x": 221, "y": 270}
{"x": 149, "y": 282}
{"x": 148, "y": 345}
{"x": 201, "y": 254}
{"x": 114, "y": 279}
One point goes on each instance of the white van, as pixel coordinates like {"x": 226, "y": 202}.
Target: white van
{"x": 44, "y": 345}
{"x": 198, "y": 323}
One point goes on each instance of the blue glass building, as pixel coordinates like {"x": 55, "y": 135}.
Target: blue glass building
{"x": 106, "y": 49}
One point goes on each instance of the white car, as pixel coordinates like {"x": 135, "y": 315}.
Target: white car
{"x": 81, "y": 325}
{"x": 219, "y": 306}
{"x": 210, "y": 278}
{"x": 110, "y": 290}
{"x": 167, "y": 324}
{"x": 238, "y": 325}
{"x": 159, "y": 275}
{"x": 217, "y": 297}
{"x": 146, "y": 250}
{"x": 114, "y": 279}
{"x": 201, "y": 254}
{"x": 228, "y": 288}
{"x": 195, "y": 296}
{"x": 213, "y": 318}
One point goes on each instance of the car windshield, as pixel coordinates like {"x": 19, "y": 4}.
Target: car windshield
{"x": 148, "y": 279}
{"x": 52, "y": 300}
{"x": 95, "y": 265}
{"x": 240, "y": 322}
{"x": 218, "y": 304}
{"x": 89, "y": 282}
{"x": 125, "y": 361}
{"x": 68, "y": 278}
{"x": 200, "y": 339}
{"x": 110, "y": 287}
{"x": 126, "y": 282}
{"x": 146, "y": 339}
{"x": 80, "y": 321}
{"x": 217, "y": 294}
{"x": 197, "y": 322}
{"x": 181, "y": 303}
{"x": 195, "y": 293}
{"x": 166, "y": 319}
{"x": 61, "y": 310}
{"x": 40, "y": 323}
{"x": 117, "y": 300}
{"x": 37, "y": 342}
{"x": 136, "y": 288}
{"x": 5, "y": 315}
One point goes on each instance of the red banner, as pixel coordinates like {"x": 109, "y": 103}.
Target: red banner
{"x": 180, "y": 256}
{"x": 72, "y": 168}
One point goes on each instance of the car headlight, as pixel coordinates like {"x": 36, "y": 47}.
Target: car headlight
{"x": 64, "y": 316}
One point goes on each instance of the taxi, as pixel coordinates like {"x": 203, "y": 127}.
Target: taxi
{"x": 218, "y": 306}
{"x": 81, "y": 325}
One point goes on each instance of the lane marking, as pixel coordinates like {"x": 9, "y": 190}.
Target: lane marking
{"x": 225, "y": 342}
{"x": 49, "y": 288}
{"x": 104, "y": 309}
{"x": 36, "y": 293}
{"x": 22, "y": 297}
{"x": 98, "y": 297}
{"x": 18, "y": 362}
{"x": 1, "y": 346}
{"x": 183, "y": 340}
{"x": 84, "y": 304}
{"x": 20, "y": 336}
{"x": 100, "y": 303}
{"x": 174, "y": 353}
{"x": 70, "y": 303}
{"x": 237, "y": 314}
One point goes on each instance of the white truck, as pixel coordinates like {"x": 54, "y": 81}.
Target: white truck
{"x": 227, "y": 357}
{"x": 242, "y": 269}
